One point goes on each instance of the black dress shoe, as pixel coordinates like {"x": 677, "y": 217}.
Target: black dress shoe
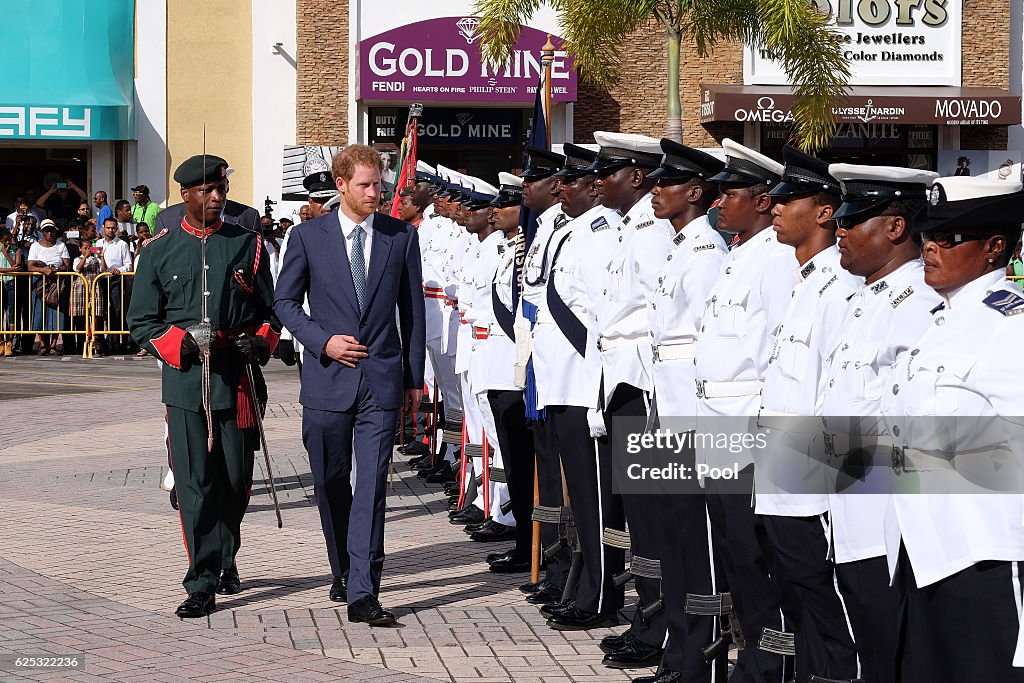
{"x": 473, "y": 528}
{"x": 174, "y": 498}
{"x": 613, "y": 643}
{"x": 634, "y": 654}
{"x": 427, "y": 469}
{"x": 494, "y": 557}
{"x": 417, "y": 448}
{"x": 494, "y": 532}
{"x": 452, "y": 489}
{"x": 198, "y": 605}
{"x": 661, "y": 676}
{"x": 557, "y": 608}
{"x": 470, "y": 514}
{"x": 368, "y": 610}
{"x": 516, "y": 564}
{"x": 550, "y": 595}
{"x": 530, "y": 588}
{"x": 339, "y": 589}
{"x": 574, "y": 619}
{"x": 443, "y": 475}
{"x": 229, "y": 582}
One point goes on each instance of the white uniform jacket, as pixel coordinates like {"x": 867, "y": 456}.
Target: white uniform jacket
{"x": 494, "y": 356}
{"x": 883, "y": 320}
{"x": 787, "y": 481}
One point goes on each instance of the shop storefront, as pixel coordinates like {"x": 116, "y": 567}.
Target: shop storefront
{"x": 476, "y": 117}
{"x": 921, "y": 90}
{"x": 66, "y": 107}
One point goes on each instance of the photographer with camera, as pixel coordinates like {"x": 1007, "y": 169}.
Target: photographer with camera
{"x": 23, "y": 208}
{"x": 11, "y": 261}
{"x": 63, "y": 201}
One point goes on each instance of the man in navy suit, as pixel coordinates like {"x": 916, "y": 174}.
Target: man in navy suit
{"x": 362, "y": 367}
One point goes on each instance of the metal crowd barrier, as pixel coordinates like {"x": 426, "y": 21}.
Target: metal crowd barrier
{"x": 109, "y": 296}
{"x": 25, "y": 313}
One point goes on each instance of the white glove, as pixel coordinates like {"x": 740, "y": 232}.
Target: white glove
{"x": 595, "y": 420}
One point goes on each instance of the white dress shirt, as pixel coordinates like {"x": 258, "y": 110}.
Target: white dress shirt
{"x": 117, "y": 254}
{"x": 348, "y": 231}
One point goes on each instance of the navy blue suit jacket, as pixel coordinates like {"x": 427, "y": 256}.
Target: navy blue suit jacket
{"x": 316, "y": 263}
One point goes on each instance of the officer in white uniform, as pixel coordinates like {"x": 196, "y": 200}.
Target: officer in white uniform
{"x": 738, "y": 328}
{"x": 515, "y": 439}
{"x": 886, "y": 316}
{"x": 683, "y": 196}
{"x": 952, "y": 404}
{"x": 568, "y": 383}
{"x": 790, "y": 495}
{"x": 540, "y": 196}
{"x": 620, "y": 277}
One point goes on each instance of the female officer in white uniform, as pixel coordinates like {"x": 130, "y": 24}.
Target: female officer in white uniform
{"x": 950, "y": 405}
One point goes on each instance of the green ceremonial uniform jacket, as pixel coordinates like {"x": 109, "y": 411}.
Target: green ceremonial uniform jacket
{"x": 167, "y": 298}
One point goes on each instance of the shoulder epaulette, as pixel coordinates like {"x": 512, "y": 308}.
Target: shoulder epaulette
{"x": 880, "y": 286}
{"x": 155, "y": 237}
{"x": 679, "y": 238}
{"x": 901, "y": 297}
{"x": 645, "y": 224}
{"x": 600, "y": 223}
{"x": 1007, "y": 303}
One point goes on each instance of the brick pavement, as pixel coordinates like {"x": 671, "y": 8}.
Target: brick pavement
{"x": 91, "y": 561}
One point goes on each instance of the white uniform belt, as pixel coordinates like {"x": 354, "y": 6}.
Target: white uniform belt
{"x": 677, "y": 351}
{"x": 494, "y": 330}
{"x": 606, "y": 344}
{"x": 783, "y": 421}
{"x": 706, "y": 389}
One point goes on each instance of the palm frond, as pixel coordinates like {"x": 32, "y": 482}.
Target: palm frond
{"x": 499, "y": 26}
{"x": 595, "y": 34}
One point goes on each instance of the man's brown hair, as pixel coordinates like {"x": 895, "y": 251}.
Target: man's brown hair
{"x": 344, "y": 163}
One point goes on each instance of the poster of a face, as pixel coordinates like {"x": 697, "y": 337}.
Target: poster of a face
{"x": 994, "y": 165}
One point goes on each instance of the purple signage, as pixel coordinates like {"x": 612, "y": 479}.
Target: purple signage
{"x": 439, "y": 60}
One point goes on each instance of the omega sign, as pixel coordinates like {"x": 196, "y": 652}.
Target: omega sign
{"x": 887, "y": 42}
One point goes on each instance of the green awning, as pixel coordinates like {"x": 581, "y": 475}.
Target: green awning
{"x": 67, "y": 70}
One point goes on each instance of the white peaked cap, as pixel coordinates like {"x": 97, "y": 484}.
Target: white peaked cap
{"x": 425, "y": 167}
{"x": 737, "y": 151}
{"x": 881, "y": 174}
{"x": 509, "y": 179}
{"x": 628, "y": 141}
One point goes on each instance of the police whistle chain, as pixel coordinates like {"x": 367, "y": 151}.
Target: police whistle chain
{"x": 258, "y": 409}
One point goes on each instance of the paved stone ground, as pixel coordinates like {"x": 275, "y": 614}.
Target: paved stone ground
{"x": 91, "y": 558}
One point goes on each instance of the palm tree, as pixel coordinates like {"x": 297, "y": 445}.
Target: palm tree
{"x": 809, "y": 50}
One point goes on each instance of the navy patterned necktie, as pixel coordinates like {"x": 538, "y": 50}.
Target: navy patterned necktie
{"x": 358, "y": 262}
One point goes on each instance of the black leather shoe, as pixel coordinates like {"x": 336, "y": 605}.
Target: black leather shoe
{"x": 229, "y": 583}
{"x": 513, "y": 565}
{"x": 634, "y": 654}
{"x": 427, "y": 469}
{"x": 421, "y": 461}
{"x": 368, "y": 610}
{"x": 494, "y": 532}
{"x": 557, "y": 608}
{"x": 452, "y": 489}
{"x": 198, "y": 605}
{"x": 494, "y": 557}
{"x": 473, "y": 528}
{"x": 444, "y": 475}
{"x": 339, "y": 589}
{"x": 550, "y": 595}
{"x": 530, "y": 588}
{"x": 470, "y": 514}
{"x": 574, "y": 619}
{"x": 416, "y": 448}
{"x": 662, "y": 676}
{"x": 174, "y": 498}
{"x": 614, "y": 643}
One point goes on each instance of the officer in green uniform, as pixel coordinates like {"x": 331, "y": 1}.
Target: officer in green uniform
{"x": 211, "y": 419}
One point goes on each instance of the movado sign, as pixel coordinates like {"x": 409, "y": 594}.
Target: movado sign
{"x": 887, "y": 42}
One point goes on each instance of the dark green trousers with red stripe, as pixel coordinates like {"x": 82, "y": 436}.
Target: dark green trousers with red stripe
{"x": 213, "y": 490}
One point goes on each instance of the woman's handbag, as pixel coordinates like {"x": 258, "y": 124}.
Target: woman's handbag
{"x": 49, "y": 292}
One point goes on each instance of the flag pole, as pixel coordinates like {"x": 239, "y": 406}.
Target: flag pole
{"x": 547, "y": 58}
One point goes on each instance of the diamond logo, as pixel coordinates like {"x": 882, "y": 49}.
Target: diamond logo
{"x": 467, "y": 27}
{"x": 463, "y": 117}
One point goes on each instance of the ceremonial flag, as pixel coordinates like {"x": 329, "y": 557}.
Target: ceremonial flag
{"x": 406, "y": 163}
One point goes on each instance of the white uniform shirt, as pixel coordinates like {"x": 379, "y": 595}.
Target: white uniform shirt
{"x": 787, "y": 481}
{"x": 963, "y": 366}
{"x": 463, "y": 294}
{"x": 883, "y": 320}
{"x": 738, "y": 328}
{"x": 435, "y": 232}
{"x": 534, "y": 280}
{"x": 457, "y": 245}
{"x": 620, "y": 289}
{"x": 481, "y": 313}
{"x": 564, "y": 377}
{"x": 674, "y": 314}
{"x": 494, "y": 357}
